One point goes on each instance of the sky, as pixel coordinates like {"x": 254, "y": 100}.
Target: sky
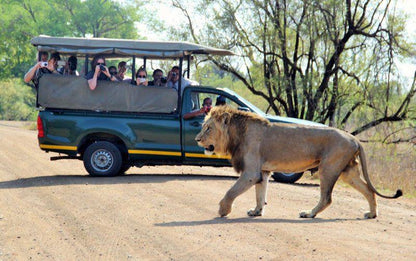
{"x": 408, "y": 68}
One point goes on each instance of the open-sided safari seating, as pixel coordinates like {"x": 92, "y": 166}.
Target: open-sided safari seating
{"x": 105, "y": 97}
{"x": 71, "y": 92}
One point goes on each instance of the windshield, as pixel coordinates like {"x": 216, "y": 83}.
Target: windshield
{"x": 246, "y": 103}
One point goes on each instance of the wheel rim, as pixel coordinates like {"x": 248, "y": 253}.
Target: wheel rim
{"x": 102, "y": 160}
{"x": 288, "y": 174}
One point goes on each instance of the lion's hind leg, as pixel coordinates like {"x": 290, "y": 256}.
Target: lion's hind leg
{"x": 261, "y": 195}
{"x": 351, "y": 175}
{"x": 328, "y": 177}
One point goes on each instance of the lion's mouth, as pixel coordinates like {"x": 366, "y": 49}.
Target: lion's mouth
{"x": 209, "y": 150}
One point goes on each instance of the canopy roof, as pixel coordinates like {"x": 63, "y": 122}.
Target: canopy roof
{"x": 122, "y": 47}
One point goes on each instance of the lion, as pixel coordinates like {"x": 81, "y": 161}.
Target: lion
{"x": 257, "y": 147}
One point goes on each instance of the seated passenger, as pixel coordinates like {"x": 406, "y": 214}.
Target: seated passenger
{"x": 220, "y": 100}
{"x": 113, "y": 71}
{"x": 206, "y": 107}
{"x": 42, "y": 67}
{"x": 70, "y": 67}
{"x": 121, "y": 74}
{"x": 141, "y": 77}
{"x": 173, "y": 79}
{"x": 98, "y": 72}
{"x": 43, "y": 56}
{"x": 158, "y": 79}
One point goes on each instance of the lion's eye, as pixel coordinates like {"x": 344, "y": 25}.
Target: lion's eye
{"x": 208, "y": 129}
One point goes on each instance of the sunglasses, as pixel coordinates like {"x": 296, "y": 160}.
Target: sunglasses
{"x": 141, "y": 76}
{"x": 100, "y": 63}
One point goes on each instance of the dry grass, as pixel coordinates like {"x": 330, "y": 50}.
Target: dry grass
{"x": 392, "y": 166}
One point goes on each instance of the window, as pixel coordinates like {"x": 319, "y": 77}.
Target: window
{"x": 197, "y": 99}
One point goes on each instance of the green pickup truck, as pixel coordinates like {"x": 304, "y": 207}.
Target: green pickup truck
{"x": 120, "y": 125}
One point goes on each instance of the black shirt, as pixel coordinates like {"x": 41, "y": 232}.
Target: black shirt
{"x": 101, "y": 77}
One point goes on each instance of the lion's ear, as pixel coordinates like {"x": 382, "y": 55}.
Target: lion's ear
{"x": 225, "y": 118}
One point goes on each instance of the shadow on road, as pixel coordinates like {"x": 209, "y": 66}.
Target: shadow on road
{"x": 219, "y": 220}
{"x": 58, "y": 180}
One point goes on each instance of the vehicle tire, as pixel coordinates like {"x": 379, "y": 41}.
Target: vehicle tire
{"x": 286, "y": 177}
{"x": 103, "y": 159}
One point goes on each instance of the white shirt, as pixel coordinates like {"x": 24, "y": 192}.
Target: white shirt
{"x": 185, "y": 82}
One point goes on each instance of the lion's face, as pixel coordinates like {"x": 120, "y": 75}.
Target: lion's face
{"x": 211, "y": 137}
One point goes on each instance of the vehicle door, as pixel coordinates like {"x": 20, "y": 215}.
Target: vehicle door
{"x": 193, "y": 154}
{"x": 155, "y": 137}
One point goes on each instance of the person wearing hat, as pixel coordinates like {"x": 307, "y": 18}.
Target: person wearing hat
{"x": 220, "y": 100}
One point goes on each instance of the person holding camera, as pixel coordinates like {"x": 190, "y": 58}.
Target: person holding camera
{"x": 173, "y": 79}
{"x": 158, "y": 79}
{"x": 206, "y": 107}
{"x": 141, "y": 77}
{"x": 99, "y": 72}
{"x": 70, "y": 67}
{"x": 42, "y": 67}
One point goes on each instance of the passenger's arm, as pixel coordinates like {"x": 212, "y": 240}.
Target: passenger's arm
{"x": 31, "y": 73}
{"x": 112, "y": 77}
{"x": 92, "y": 83}
{"x": 193, "y": 114}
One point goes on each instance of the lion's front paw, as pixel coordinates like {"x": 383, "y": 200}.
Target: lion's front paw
{"x": 369, "y": 215}
{"x": 255, "y": 212}
{"x": 306, "y": 214}
{"x": 225, "y": 208}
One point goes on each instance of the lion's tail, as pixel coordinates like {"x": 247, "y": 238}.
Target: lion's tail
{"x": 367, "y": 178}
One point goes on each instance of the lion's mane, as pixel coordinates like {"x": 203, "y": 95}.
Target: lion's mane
{"x": 234, "y": 124}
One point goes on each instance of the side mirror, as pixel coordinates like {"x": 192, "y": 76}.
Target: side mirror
{"x": 243, "y": 109}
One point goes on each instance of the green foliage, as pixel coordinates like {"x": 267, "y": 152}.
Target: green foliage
{"x": 22, "y": 20}
{"x": 17, "y": 100}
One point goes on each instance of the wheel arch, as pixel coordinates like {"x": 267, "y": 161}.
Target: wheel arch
{"x": 103, "y": 136}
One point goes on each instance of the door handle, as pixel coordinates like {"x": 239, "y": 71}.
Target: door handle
{"x": 196, "y": 124}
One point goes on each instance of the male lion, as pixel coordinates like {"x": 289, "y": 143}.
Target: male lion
{"x": 258, "y": 147}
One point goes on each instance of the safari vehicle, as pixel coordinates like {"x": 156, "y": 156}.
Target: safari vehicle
{"x": 119, "y": 125}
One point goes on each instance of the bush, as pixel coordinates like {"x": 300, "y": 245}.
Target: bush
{"x": 18, "y": 100}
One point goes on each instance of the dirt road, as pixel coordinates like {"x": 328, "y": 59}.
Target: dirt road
{"x": 54, "y": 211}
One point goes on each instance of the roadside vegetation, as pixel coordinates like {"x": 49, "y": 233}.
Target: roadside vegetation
{"x": 18, "y": 100}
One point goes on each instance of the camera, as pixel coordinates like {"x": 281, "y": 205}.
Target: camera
{"x": 44, "y": 64}
{"x": 207, "y": 108}
{"x": 174, "y": 74}
{"x": 163, "y": 80}
{"x": 72, "y": 66}
{"x": 102, "y": 67}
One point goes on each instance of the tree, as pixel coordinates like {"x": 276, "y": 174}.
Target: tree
{"x": 22, "y": 20}
{"x": 102, "y": 18}
{"x": 316, "y": 60}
